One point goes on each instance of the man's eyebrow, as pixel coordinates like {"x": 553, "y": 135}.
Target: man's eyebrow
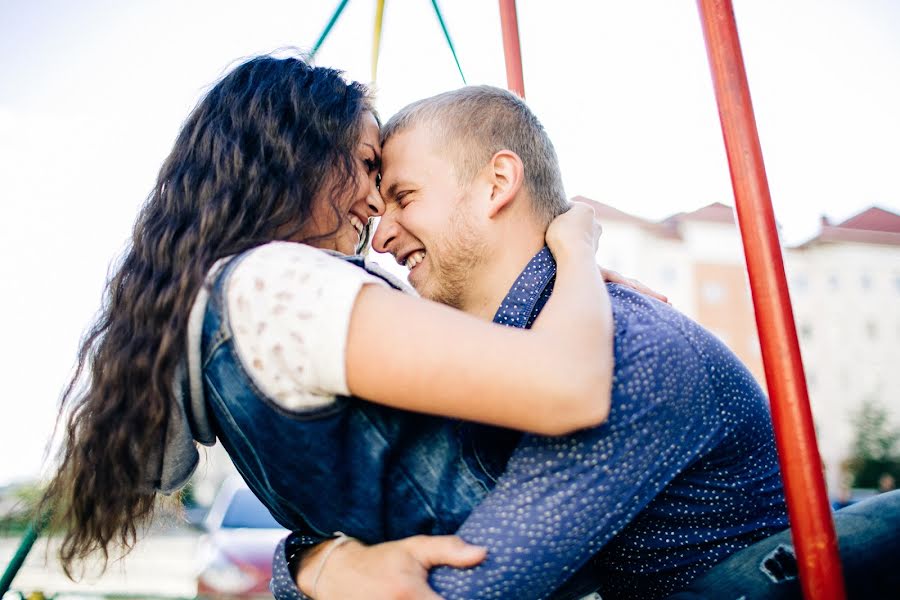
{"x": 394, "y": 188}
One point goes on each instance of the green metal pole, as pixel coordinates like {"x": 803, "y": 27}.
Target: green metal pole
{"x": 327, "y": 30}
{"x": 440, "y": 18}
{"x": 31, "y": 535}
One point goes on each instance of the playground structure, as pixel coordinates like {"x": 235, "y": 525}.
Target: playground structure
{"x": 813, "y": 531}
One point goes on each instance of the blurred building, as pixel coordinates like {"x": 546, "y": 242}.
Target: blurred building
{"x": 696, "y": 259}
{"x": 845, "y": 290}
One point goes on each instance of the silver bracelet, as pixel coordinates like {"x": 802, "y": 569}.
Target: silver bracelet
{"x": 339, "y": 541}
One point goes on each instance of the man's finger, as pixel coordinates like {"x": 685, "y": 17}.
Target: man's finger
{"x": 448, "y": 550}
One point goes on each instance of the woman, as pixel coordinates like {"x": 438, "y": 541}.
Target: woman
{"x": 232, "y": 315}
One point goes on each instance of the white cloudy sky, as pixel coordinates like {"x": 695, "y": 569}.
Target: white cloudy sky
{"x": 92, "y": 94}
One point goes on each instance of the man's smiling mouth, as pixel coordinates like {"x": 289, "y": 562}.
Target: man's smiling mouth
{"x": 414, "y": 259}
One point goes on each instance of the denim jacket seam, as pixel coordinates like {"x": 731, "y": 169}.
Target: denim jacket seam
{"x": 260, "y": 471}
{"x": 484, "y": 469}
{"x": 409, "y": 478}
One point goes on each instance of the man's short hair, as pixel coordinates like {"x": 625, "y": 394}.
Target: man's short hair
{"x": 474, "y": 123}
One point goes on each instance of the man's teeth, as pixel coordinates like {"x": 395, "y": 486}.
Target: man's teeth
{"x": 357, "y": 224}
{"x": 414, "y": 259}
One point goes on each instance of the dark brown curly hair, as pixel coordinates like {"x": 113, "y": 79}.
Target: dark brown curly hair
{"x": 265, "y": 141}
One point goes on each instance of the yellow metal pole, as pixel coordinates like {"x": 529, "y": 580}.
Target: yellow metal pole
{"x": 376, "y": 38}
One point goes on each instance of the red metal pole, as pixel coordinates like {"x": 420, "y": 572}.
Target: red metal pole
{"x": 509, "y": 23}
{"x": 810, "y": 514}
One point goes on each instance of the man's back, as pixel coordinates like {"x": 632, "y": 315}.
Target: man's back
{"x": 702, "y": 441}
{"x": 683, "y": 473}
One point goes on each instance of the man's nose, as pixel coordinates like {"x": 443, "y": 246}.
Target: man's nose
{"x": 386, "y": 232}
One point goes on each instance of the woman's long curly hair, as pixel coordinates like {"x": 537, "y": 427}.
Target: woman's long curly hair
{"x": 273, "y": 135}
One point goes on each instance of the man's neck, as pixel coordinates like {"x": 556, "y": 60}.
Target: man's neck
{"x": 505, "y": 262}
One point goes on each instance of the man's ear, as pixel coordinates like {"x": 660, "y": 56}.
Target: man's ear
{"x": 507, "y": 175}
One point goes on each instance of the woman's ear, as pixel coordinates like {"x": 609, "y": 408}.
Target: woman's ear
{"x": 507, "y": 174}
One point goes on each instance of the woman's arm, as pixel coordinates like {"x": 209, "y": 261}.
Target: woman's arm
{"x": 422, "y": 356}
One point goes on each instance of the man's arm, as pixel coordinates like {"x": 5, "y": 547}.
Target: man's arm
{"x": 389, "y": 570}
{"x": 562, "y": 499}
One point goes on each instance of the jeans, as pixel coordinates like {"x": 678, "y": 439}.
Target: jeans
{"x": 869, "y": 540}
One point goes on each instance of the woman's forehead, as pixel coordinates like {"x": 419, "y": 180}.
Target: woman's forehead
{"x": 371, "y": 134}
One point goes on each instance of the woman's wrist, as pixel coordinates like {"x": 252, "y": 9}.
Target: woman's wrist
{"x": 312, "y": 563}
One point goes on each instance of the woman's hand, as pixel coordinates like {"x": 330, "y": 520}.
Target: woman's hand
{"x": 574, "y": 230}
{"x": 616, "y": 277}
{"x": 579, "y": 229}
{"x": 389, "y": 571}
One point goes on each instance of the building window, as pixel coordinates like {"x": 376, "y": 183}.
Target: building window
{"x": 801, "y": 282}
{"x": 668, "y": 274}
{"x": 872, "y": 330}
{"x": 805, "y": 331}
{"x": 833, "y": 282}
{"x": 866, "y": 281}
{"x": 713, "y": 292}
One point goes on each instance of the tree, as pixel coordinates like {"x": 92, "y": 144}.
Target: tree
{"x": 876, "y": 446}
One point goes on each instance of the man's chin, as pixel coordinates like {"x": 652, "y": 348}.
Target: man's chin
{"x": 421, "y": 285}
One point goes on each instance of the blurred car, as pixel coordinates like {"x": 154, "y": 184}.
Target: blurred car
{"x": 236, "y": 551}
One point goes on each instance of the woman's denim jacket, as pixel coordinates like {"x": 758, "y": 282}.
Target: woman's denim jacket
{"x": 372, "y": 472}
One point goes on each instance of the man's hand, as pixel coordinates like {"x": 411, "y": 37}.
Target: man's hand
{"x": 390, "y": 571}
{"x": 614, "y": 277}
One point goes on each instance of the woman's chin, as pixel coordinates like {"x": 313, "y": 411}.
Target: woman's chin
{"x": 348, "y": 244}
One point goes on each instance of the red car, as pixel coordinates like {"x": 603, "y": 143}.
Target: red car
{"x": 236, "y": 552}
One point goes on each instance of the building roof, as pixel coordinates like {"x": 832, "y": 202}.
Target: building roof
{"x": 713, "y": 213}
{"x": 609, "y": 213}
{"x": 605, "y": 212}
{"x": 872, "y": 226}
{"x": 874, "y": 219}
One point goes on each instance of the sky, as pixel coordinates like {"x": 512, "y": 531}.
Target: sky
{"x": 92, "y": 95}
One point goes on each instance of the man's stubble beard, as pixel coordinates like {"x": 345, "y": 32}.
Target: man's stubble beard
{"x": 460, "y": 253}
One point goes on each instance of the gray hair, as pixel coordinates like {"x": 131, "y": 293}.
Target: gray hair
{"x": 474, "y": 123}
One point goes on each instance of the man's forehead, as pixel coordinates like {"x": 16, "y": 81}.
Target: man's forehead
{"x": 403, "y": 155}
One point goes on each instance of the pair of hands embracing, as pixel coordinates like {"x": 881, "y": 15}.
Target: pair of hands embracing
{"x": 388, "y": 571}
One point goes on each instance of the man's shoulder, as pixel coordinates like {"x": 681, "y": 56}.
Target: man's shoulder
{"x": 628, "y": 304}
{"x": 646, "y": 325}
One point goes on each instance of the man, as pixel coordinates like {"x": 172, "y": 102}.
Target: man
{"x": 682, "y": 475}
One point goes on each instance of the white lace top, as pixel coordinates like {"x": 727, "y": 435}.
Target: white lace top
{"x": 289, "y": 306}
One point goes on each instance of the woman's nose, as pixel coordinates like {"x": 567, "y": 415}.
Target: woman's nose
{"x": 374, "y": 202}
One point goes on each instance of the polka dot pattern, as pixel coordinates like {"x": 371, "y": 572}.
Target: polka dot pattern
{"x": 683, "y": 474}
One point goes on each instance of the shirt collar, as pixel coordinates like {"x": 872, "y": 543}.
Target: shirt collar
{"x": 529, "y": 293}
